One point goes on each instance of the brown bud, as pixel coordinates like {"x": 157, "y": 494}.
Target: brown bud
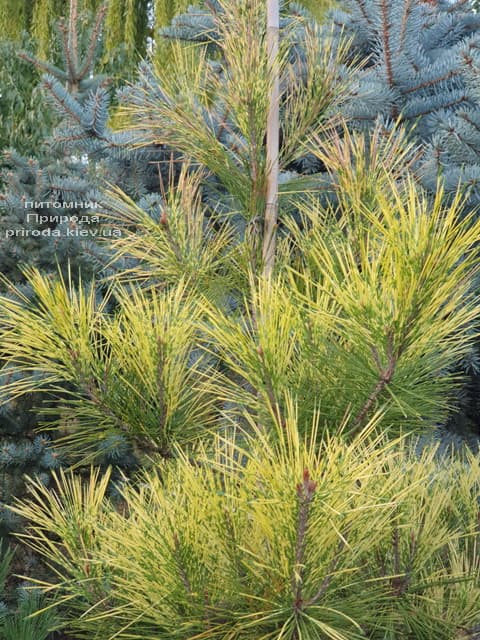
{"x": 307, "y": 488}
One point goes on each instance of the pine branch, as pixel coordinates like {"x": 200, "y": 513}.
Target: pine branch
{"x": 305, "y": 494}
{"x": 330, "y": 573}
{"x": 431, "y": 83}
{"x": 363, "y": 9}
{"x": 270, "y": 390}
{"x": 386, "y": 42}
{"x": 402, "y": 577}
{"x": 400, "y": 580}
{"x": 454, "y": 6}
{"x": 448, "y": 105}
{"x": 414, "y": 539}
{"x": 386, "y": 375}
{"x": 162, "y": 418}
{"x": 70, "y": 138}
{"x": 405, "y": 18}
{"x": 211, "y": 7}
{"x": 180, "y": 566}
{"x": 97, "y": 109}
{"x": 170, "y": 237}
{"x": 44, "y": 66}
{"x": 72, "y": 71}
{"x": 470, "y": 145}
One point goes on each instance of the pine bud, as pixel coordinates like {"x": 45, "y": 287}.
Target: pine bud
{"x": 307, "y": 488}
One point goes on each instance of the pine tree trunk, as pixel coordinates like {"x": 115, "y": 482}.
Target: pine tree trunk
{"x": 273, "y": 136}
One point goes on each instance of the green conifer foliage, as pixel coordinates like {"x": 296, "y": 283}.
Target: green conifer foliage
{"x": 12, "y": 19}
{"x": 114, "y": 24}
{"x": 129, "y": 22}
{"x": 212, "y": 112}
{"x": 375, "y": 312}
{"x": 131, "y": 29}
{"x": 200, "y": 115}
{"x": 15, "y": 620}
{"x": 165, "y": 10}
{"x": 45, "y": 13}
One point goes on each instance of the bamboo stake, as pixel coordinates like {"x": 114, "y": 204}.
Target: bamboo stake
{"x": 273, "y": 140}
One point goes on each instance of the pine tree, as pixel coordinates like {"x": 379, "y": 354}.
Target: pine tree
{"x": 367, "y": 314}
{"x": 422, "y": 69}
{"x": 158, "y": 109}
{"x": 152, "y": 106}
{"x": 144, "y": 173}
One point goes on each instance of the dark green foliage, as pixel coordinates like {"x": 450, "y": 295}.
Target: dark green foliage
{"x": 18, "y": 625}
{"x": 18, "y": 605}
{"x": 25, "y": 119}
